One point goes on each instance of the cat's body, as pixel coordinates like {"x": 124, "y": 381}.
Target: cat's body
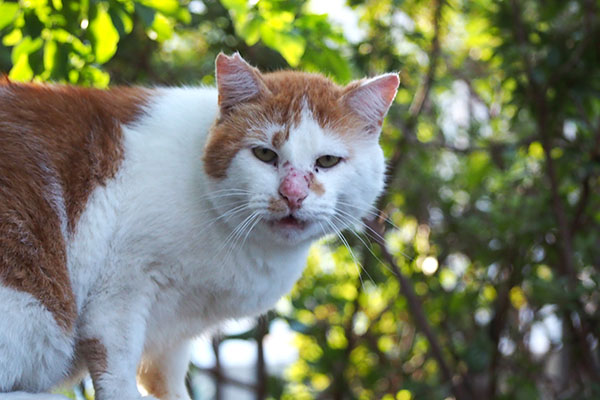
{"x": 132, "y": 220}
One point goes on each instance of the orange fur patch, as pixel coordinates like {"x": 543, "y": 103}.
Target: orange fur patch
{"x": 277, "y": 205}
{"x": 153, "y": 380}
{"x": 227, "y": 138}
{"x": 279, "y": 138}
{"x": 53, "y": 140}
{"x": 293, "y": 90}
{"x": 94, "y": 354}
{"x": 317, "y": 187}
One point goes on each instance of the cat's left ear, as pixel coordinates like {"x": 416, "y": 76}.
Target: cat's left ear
{"x": 372, "y": 98}
{"x": 237, "y": 81}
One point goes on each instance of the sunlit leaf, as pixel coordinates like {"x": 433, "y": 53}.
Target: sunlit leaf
{"x": 237, "y": 6}
{"x": 104, "y": 35}
{"x": 26, "y": 47}
{"x": 162, "y": 26}
{"x": 122, "y": 21}
{"x": 21, "y": 71}
{"x": 8, "y": 12}
{"x": 96, "y": 76}
{"x": 167, "y": 7}
{"x": 50, "y": 50}
{"x": 250, "y": 31}
{"x": 290, "y": 46}
{"x": 12, "y": 38}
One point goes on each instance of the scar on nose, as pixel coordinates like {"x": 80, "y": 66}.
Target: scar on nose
{"x": 277, "y": 205}
{"x": 317, "y": 187}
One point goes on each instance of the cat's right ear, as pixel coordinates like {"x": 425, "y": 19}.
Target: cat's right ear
{"x": 371, "y": 99}
{"x": 237, "y": 81}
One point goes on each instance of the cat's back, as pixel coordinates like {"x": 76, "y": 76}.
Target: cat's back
{"x": 57, "y": 143}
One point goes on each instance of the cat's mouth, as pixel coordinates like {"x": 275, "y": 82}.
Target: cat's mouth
{"x": 289, "y": 222}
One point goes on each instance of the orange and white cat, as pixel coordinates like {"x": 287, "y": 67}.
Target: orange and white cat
{"x": 132, "y": 220}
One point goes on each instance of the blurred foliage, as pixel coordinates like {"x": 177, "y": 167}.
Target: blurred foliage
{"x": 493, "y": 202}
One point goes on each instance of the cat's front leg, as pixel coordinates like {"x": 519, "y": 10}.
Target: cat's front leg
{"x": 113, "y": 325}
{"x": 162, "y": 372}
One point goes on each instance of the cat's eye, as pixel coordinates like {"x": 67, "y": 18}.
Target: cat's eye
{"x": 264, "y": 154}
{"x": 328, "y": 161}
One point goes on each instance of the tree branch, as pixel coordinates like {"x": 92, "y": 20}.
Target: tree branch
{"x": 414, "y": 305}
{"x": 262, "y": 328}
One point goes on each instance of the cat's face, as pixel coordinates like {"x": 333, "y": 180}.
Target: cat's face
{"x": 294, "y": 156}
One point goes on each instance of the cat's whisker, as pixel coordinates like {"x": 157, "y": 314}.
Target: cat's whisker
{"x": 248, "y": 227}
{"x": 246, "y": 224}
{"x": 225, "y": 216}
{"x": 228, "y": 214}
{"x": 367, "y": 247}
{"x": 356, "y": 221}
{"x": 325, "y": 233}
{"x": 257, "y": 220}
{"x": 211, "y": 210}
{"x": 357, "y": 263}
{"x": 370, "y": 232}
{"x": 224, "y": 196}
{"x": 226, "y": 191}
{"x": 232, "y": 237}
{"x": 373, "y": 211}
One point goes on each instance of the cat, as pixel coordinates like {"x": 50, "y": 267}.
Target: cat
{"x": 132, "y": 219}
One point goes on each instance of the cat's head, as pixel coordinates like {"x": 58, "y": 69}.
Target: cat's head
{"x": 292, "y": 155}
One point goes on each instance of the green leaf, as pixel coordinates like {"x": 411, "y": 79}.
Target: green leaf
{"x": 167, "y": 7}
{"x": 325, "y": 60}
{"x": 122, "y": 20}
{"x": 62, "y": 36}
{"x": 163, "y": 27}
{"x": 95, "y": 76}
{"x": 12, "y": 38}
{"x": 104, "y": 35}
{"x": 21, "y": 71}
{"x": 57, "y": 4}
{"x": 8, "y": 13}
{"x": 250, "y": 31}
{"x": 238, "y": 7}
{"x": 50, "y": 49}
{"x": 291, "y": 46}
{"x": 184, "y": 15}
{"x": 26, "y": 47}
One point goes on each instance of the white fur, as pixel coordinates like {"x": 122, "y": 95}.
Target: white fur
{"x": 31, "y": 396}
{"x": 30, "y": 340}
{"x": 153, "y": 261}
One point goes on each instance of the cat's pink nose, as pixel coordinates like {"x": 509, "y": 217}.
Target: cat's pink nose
{"x": 294, "y": 188}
